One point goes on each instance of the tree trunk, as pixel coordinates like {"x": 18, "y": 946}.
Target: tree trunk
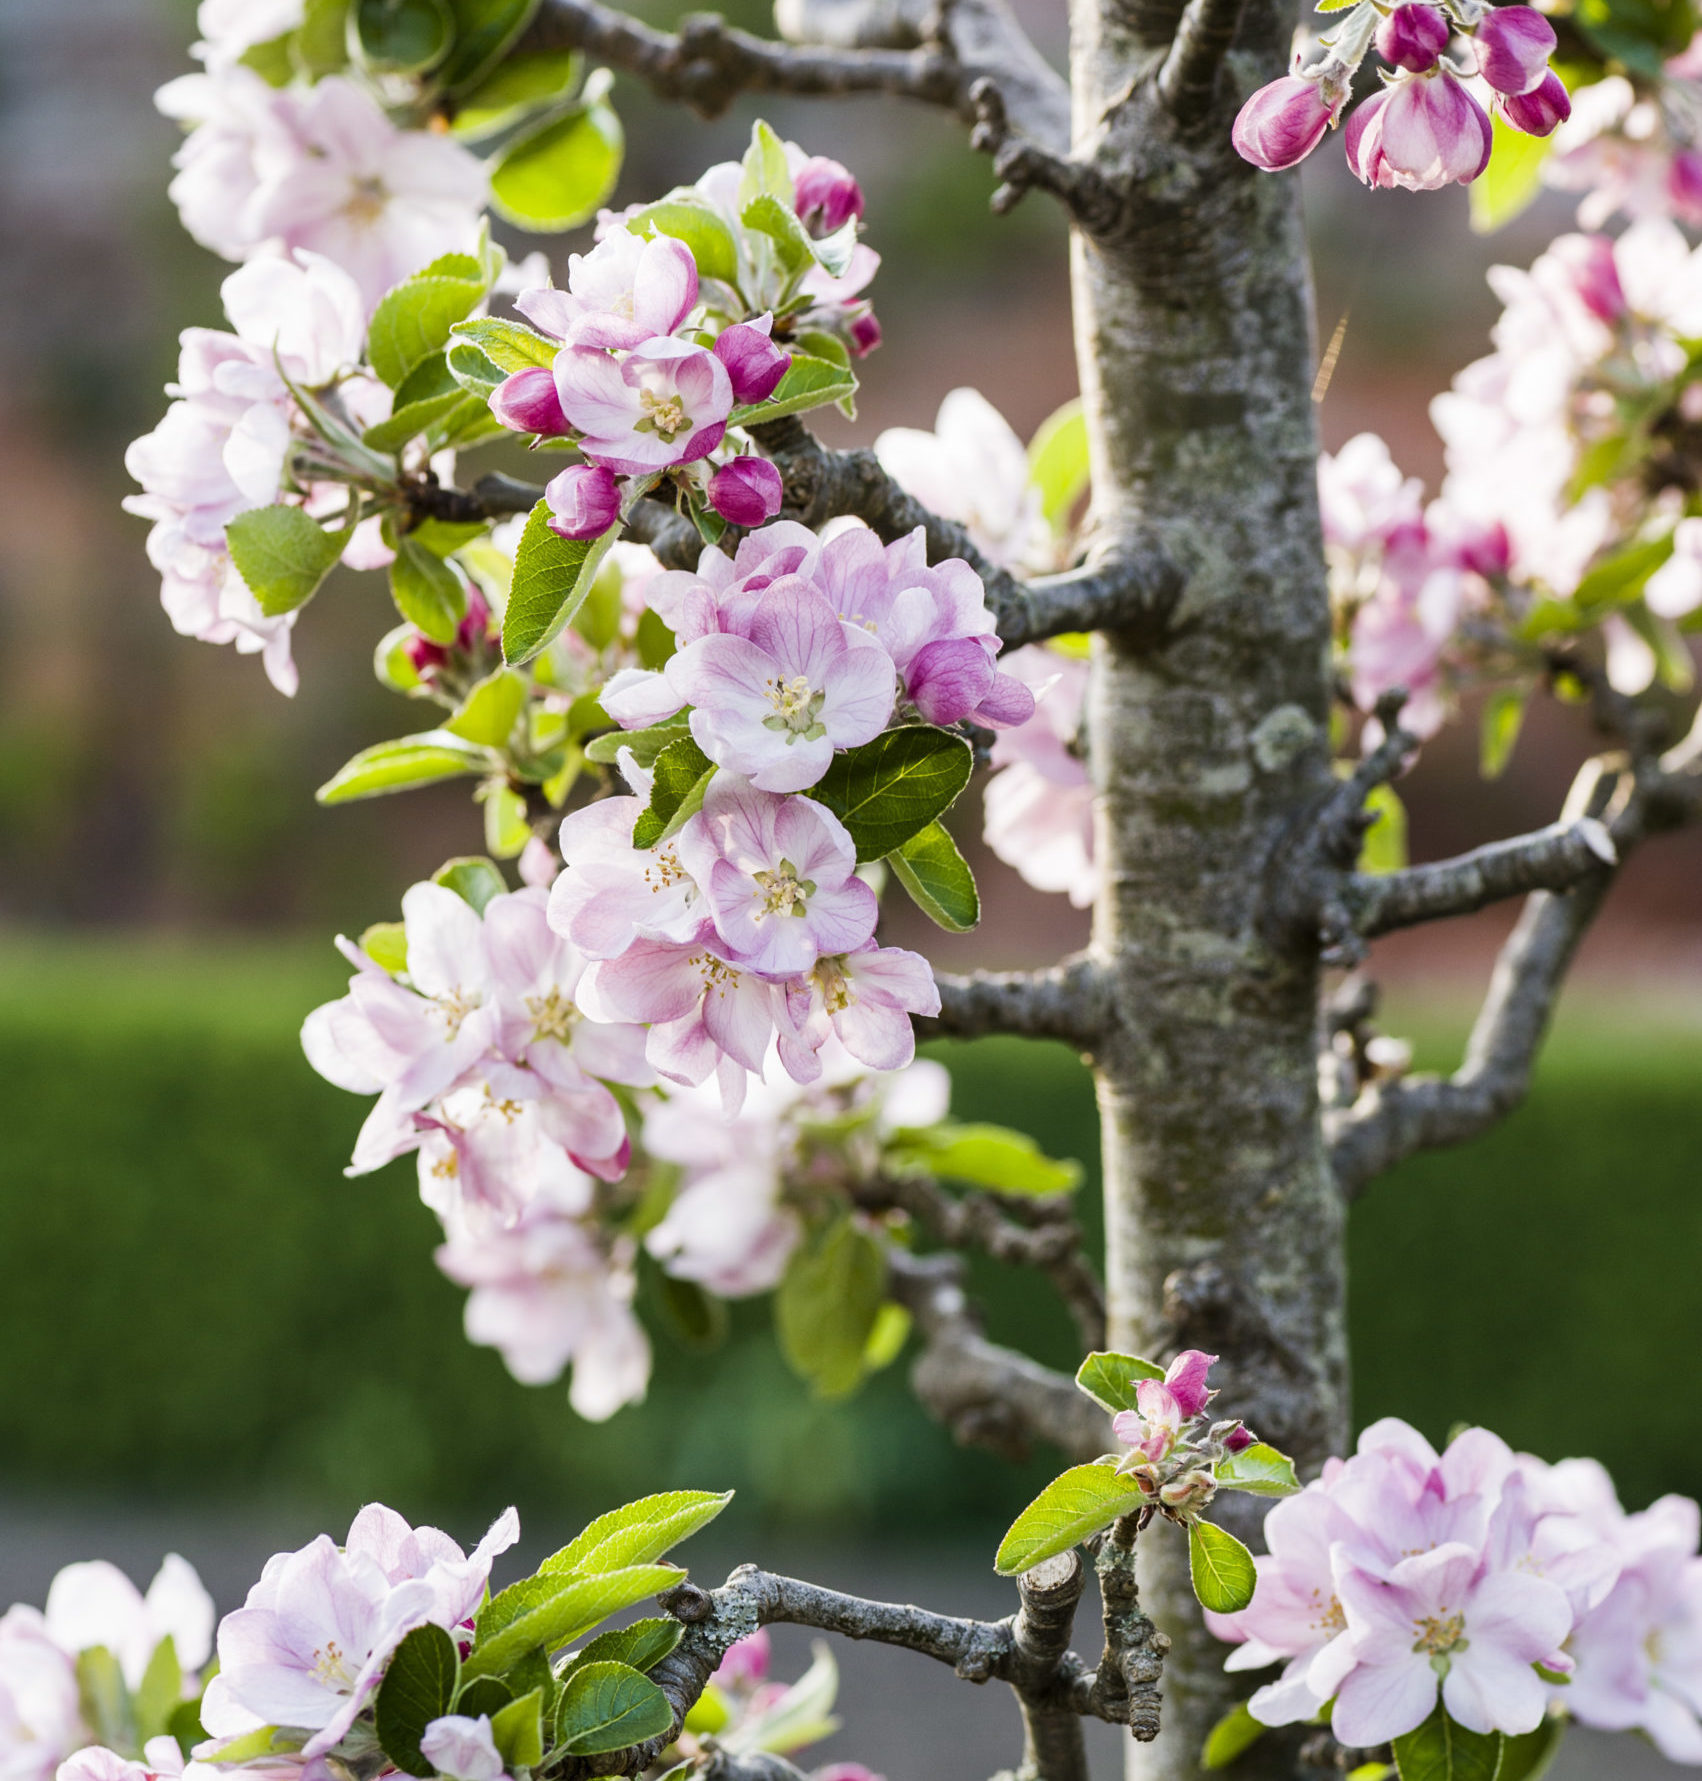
{"x": 1224, "y": 1229}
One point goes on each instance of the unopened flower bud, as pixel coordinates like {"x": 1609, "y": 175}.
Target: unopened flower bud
{"x": 584, "y": 501}
{"x": 1684, "y": 186}
{"x": 1283, "y": 122}
{"x": 755, "y": 365}
{"x": 1186, "y": 1377}
{"x": 825, "y": 195}
{"x": 1422, "y": 132}
{"x": 475, "y": 627}
{"x": 865, "y": 335}
{"x": 1513, "y": 47}
{"x": 426, "y": 657}
{"x": 527, "y": 403}
{"x": 1239, "y": 1439}
{"x": 1413, "y": 36}
{"x": 1192, "y": 1490}
{"x": 1541, "y": 110}
{"x": 746, "y": 492}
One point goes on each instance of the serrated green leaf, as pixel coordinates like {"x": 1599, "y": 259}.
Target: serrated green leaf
{"x": 412, "y": 321}
{"x": 1385, "y": 845}
{"x": 826, "y": 1305}
{"x": 645, "y": 744}
{"x": 558, "y": 175}
{"x": 484, "y": 1696}
{"x": 412, "y": 419}
{"x": 682, "y": 772}
{"x": 428, "y": 593}
{"x": 417, "y": 1688}
{"x": 518, "y": 86}
{"x": 1530, "y": 1756}
{"x": 489, "y": 711}
{"x": 507, "y": 345}
{"x": 551, "y": 577}
{"x": 938, "y": 879}
{"x": 1260, "y": 1470}
{"x": 401, "y": 36}
{"x": 1498, "y": 732}
{"x": 809, "y": 383}
{"x": 638, "y": 1532}
{"x": 610, "y": 1706}
{"x": 1110, "y": 1378}
{"x": 1057, "y": 462}
{"x": 475, "y": 373}
{"x": 891, "y": 788}
{"x": 1235, "y": 1732}
{"x": 1442, "y": 1750}
{"x": 552, "y": 1610}
{"x": 484, "y": 29}
{"x": 1511, "y": 180}
{"x": 160, "y": 1692}
{"x": 473, "y": 878}
{"x": 702, "y": 229}
{"x": 282, "y": 555}
{"x": 1078, "y": 1503}
{"x": 764, "y": 168}
{"x": 640, "y": 1646}
{"x": 517, "y": 1730}
{"x": 408, "y": 761}
{"x": 1220, "y": 1567}
{"x": 991, "y": 1156}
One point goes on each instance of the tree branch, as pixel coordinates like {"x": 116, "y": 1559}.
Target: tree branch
{"x": 1053, "y": 1748}
{"x": 1187, "y": 82}
{"x": 1070, "y": 1001}
{"x": 1022, "y": 164}
{"x": 986, "y": 1395}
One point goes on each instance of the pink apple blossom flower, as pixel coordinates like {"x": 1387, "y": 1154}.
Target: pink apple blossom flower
{"x": 775, "y": 704}
{"x": 41, "y": 1721}
{"x": 1513, "y": 47}
{"x": 162, "y": 1760}
{"x": 612, "y": 893}
{"x": 1540, "y": 111}
{"x": 584, "y": 501}
{"x": 462, "y": 1748}
{"x": 1413, "y": 36}
{"x": 746, "y": 491}
{"x": 665, "y": 403}
{"x": 864, "y": 999}
{"x": 1423, "y": 131}
{"x": 624, "y": 292}
{"x": 526, "y": 402}
{"x": 96, "y": 1604}
{"x": 228, "y": 27}
{"x": 825, "y": 195}
{"x": 1151, "y": 1430}
{"x": 755, "y": 365}
{"x": 1283, "y": 122}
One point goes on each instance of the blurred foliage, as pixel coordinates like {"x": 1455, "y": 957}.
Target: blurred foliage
{"x": 198, "y": 1303}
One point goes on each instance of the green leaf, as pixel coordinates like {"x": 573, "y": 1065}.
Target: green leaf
{"x": 801, "y": 1716}
{"x": 507, "y": 828}
{"x": 186, "y": 1727}
{"x": 1673, "y": 663}
{"x": 386, "y": 944}
{"x": 1110, "y": 1379}
{"x": 282, "y": 555}
{"x": 475, "y": 373}
{"x": 485, "y": 1696}
{"x": 826, "y": 1305}
{"x": 483, "y": 30}
{"x": 320, "y": 43}
{"x": 160, "y": 1692}
{"x": 1511, "y": 180}
{"x": 766, "y": 215}
{"x": 516, "y": 87}
{"x": 107, "y": 1708}
{"x": 809, "y": 383}
{"x": 552, "y": 576}
{"x": 408, "y": 761}
{"x": 695, "y": 1317}
{"x": 1080, "y": 1502}
{"x": 1057, "y": 462}
{"x": 1221, "y": 1568}
{"x": 653, "y": 640}
{"x": 891, "y": 788}
{"x": 1385, "y": 845}
{"x": 411, "y": 419}
{"x": 1530, "y": 1756}
{"x": 517, "y": 1730}
{"x": 992, "y": 1156}
{"x": 764, "y": 168}
{"x": 938, "y": 879}
{"x": 552, "y": 1610}
{"x": 1235, "y": 1732}
{"x": 645, "y": 744}
{"x": 641, "y": 1646}
{"x": 507, "y": 345}
{"x": 417, "y": 1688}
{"x": 1498, "y": 733}
{"x": 610, "y": 1706}
{"x": 639, "y": 1532}
{"x": 412, "y": 321}
{"x": 1260, "y": 1470}
{"x": 558, "y": 175}
{"x": 1441, "y": 1750}
{"x": 702, "y": 229}
{"x": 682, "y": 775}
{"x": 428, "y": 593}
{"x": 1621, "y": 577}
{"x": 488, "y": 712}
{"x": 401, "y": 36}
{"x": 473, "y": 878}
{"x": 271, "y": 60}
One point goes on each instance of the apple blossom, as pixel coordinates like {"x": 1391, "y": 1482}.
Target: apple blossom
{"x": 96, "y": 1604}
{"x": 1675, "y": 589}
{"x": 1423, "y": 131}
{"x": 746, "y": 491}
{"x": 824, "y": 194}
{"x": 623, "y": 293}
{"x": 865, "y": 1000}
{"x": 162, "y": 1760}
{"x": 526, "y": 402}
{"x": 584, "y": 501}
{"x": 1284, "y": 121}
{"x": 1542, "y": 110}
{"x": 755, "y": 365}
{"x": 41, "y": 1720}
{"x": 462, "y": 1748}
{"x": 1413, "y": 36}
{"x": 612, "y": 893}
{"x": 665, "y": 403}
{"x": 1513, "y": 47}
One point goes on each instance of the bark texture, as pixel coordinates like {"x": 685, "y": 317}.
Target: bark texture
{"x": 1209, "y": 746}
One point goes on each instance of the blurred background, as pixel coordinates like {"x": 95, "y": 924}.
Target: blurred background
{"x": 215, "y": 1342}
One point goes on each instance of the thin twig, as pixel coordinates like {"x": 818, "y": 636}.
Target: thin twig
{"x": 1071, "y": 1001}
{"x": 1022, "y": 165}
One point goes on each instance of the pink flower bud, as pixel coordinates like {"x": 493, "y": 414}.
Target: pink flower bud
{"x": 1186, "y": 1378}
{"x": 865, "y": 335}
{"x": 1513, "y": 47}
{"x": 1239, "y": 1439}
{"x": 475, "y": 627}
{"x": 1539, "y": 111}
{"x": 584, "y": 501}
{"x": 746, "y": 492}
{"x": 1422, "y": 132}
{"x": 1684, "y": 186}
{"x": 826, "y": 197}
{"x": 427, "y": 657}
{"x": 1283, "y": 122}
{"x": 1413, "y": 36}
{"x": 746, "y": 1660}
{"x": 755, "y": 365}
{"x": 527, "y": 403}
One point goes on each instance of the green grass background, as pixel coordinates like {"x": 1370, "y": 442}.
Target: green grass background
{"x": 195, "y": 1302}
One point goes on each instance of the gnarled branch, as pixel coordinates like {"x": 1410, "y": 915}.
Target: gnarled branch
{"x": 1070, "y": 1001}
{"x": 1023, "y": 164}
{"x": 1187, "y": 82}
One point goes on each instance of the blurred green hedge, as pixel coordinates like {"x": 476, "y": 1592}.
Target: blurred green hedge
{"x": 196, "y": 1302}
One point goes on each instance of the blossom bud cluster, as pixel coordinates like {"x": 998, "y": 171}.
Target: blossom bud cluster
{"x": 1502, "y": 1585}
{"x": 1173, "y": 1455}
{"x": 1428, "y": 126}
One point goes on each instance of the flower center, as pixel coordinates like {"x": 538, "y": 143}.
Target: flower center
{"x": 368, "y": 198}
{"x": 796, "y": 708}
{"x": 718, "y": 975}
{"x": 664, "y": 415}
{"x": 553, "y": 1016}
{"x": 331, "y": 1668}
{"x": 1328, "y": 1617}
{"x": 834, "y": 985}
{"x": 783, "y": 891}
{"x": 665, "y": 870}
{"x": 455, "y": 1007}
{"x": 1438, "y": 1635}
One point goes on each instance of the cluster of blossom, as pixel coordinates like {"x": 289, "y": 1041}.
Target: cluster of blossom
{"x": 1508, "y": 1586}
{"x": 90, "y": 1606}
{"x": 232, "y": 441}
{"x": 1425, "y": 128}
{"x": 633, "y": 384}
{"x": 1173, "y": 1453}
{"x": 1038, "y": 803}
